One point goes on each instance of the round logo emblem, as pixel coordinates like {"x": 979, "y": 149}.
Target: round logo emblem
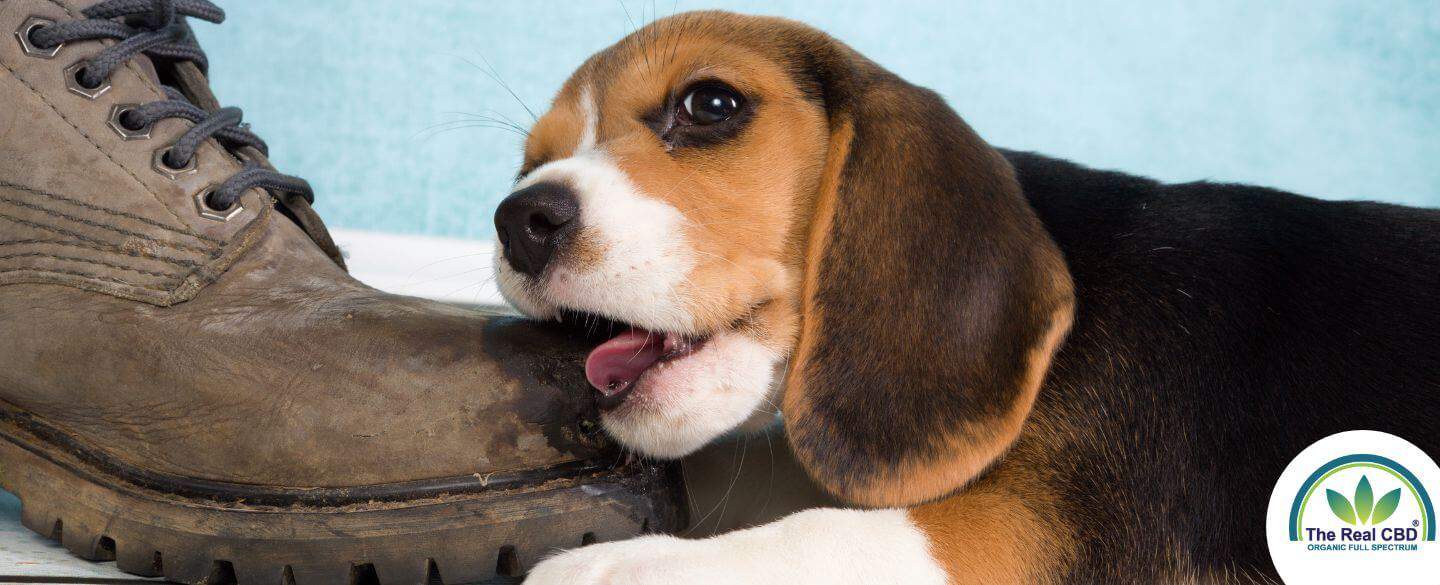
{"x": 1355, "y": 507}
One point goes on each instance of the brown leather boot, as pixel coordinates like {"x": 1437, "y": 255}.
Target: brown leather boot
{"x": 189, "y": 381}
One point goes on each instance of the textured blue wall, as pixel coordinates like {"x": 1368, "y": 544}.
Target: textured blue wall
{"x": 1339, "y": 99}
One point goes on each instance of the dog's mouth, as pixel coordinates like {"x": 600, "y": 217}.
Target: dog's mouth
{"x": 625, "y": 353}
{"x": 616, "y": 365}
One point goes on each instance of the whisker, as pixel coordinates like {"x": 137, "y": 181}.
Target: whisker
{"x": 689, "y": 495}
{"x": 488, "y": 115}
{"x": 713, "y": 225}
{"x": 437, "y": 129}
{"x": 642, "y": 348}
{"x": 737, "y": 266}
{"x": 670, "y": 29}
{"x": 494, "y": 75}
{"x": 739, "y": 470}
{"x": 654, "y": 30}
{"x": 769, "y": 483}
{"x": 723, "y": 497}
{"x": 473, "y": 125}
{"x": 634, "y": 29}
{"x": 502, "y": 120}
{"x": 463, "y": 288}
{"x": 443, "y": 260}
{"x": 712, "y": 205}
{"x": 409, "y": 283}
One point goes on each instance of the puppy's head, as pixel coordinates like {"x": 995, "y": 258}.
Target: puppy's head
{"x": 739, "y": 204}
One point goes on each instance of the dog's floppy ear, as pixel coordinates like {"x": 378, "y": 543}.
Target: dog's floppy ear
{"x": 933, "y": 298}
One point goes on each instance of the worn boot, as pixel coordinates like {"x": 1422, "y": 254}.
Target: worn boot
{"x": 191, "y": 384}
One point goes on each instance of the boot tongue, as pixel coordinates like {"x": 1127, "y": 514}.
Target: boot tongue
{"x": 615, "y": 364}
{"x": 196, "y": 87}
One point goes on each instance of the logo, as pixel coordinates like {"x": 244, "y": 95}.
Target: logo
{"x": 1361, "y": 513}
{"x": 1355, "y": 506}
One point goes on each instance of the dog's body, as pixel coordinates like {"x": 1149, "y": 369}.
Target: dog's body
{"x": 909, "y": 288}
{"x": 1220, "y": 329}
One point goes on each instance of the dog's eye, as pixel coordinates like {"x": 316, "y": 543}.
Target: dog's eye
{"x": 711, "y": 104}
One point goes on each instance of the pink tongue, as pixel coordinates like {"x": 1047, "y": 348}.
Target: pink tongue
{"x": 614, "y": 365}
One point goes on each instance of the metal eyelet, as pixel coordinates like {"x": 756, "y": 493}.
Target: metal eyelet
{"x": 72, "y": 81}
{"x": 117, "y": 123}
{"x": 31, "y": 25}
{"x": 202, "y": 205}
{"x": 160, "y": 166}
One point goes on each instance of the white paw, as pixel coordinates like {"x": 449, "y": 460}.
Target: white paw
{"x": 822, "y": 546}
{"x": 641, "y": 561}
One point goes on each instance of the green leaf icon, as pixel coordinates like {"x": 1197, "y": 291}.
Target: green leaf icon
{"x": 1364, "y": 499}
{"x": 1340, "y": 506}
{"x": 1386, "y": 506}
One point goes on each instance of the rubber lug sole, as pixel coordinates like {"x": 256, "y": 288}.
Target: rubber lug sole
{"x": 465, "y": 538}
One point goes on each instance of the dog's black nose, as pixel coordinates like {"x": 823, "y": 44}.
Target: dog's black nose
{"x": 533, "y": 222}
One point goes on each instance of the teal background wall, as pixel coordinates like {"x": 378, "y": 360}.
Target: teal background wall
{"x": 372, "y": 100}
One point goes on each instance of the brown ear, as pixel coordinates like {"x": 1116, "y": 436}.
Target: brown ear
{"x": 933, "y": 298}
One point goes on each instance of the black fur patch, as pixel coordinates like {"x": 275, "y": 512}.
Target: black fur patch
{"x": 1220, "y": 330}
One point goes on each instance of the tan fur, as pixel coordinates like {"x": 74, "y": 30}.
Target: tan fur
{"x": 740, "y": 201}
{"x": 760, "y": 211}
{"x": 1001, "y": 530}
{"x": 555, "y": 135}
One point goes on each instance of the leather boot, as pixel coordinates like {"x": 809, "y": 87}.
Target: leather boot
{"x": 191, "y": 384}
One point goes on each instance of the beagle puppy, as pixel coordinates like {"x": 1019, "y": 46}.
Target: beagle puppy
{"x": 1011, "y": 368}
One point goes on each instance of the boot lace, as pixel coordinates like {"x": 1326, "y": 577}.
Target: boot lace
{"x": 157, "y": 28}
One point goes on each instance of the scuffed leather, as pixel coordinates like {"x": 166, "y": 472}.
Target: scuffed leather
{"x": 234, "y": 351}
{"x": 286, "y": 372}
{"x": 79, "y": 205}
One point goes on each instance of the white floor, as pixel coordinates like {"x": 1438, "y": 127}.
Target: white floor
{"x": 26, "y": 554}
{"x": 444, "y": 269}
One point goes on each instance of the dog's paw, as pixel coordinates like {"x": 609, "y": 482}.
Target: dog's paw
{"x": 814, "y": 547}
{"x": 641, "y": 561}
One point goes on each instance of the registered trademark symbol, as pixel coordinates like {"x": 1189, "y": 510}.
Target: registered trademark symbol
{"x": 1414, "y": 522}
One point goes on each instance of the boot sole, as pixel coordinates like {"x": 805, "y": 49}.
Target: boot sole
{"x": 458, "y": 530}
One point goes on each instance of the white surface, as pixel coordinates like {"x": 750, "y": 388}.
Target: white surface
{"x": 814, "y": 547}
{"x": 445, "y": 269}
{"x": 24, "y": 553}
{"x": 438, "y": 268}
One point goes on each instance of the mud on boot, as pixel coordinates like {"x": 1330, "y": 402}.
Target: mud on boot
{"x": 191, "y": 383}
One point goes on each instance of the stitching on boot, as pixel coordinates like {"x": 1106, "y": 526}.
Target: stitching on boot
{"x": 101, "y": 248}
{"x": 92, "y": 142}
{"x": 83, "y": 238}
{"x": 184, "y": 290}
{"x": 84, "y": 276}
{"x": 88, "y": 261}
{"x": 96, "y": 224}
{"x": 223, "y": 254}
{"x": 155, "y": 93}
{"x": 225, "y": 257}
{"x": 93, "y": 207}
